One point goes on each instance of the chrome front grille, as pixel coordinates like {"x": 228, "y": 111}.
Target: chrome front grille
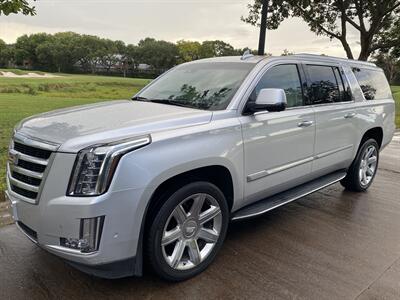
{"x": 27, "y": 165}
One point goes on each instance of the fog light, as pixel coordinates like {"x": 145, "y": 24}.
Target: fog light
{"x": 89, "y": 236}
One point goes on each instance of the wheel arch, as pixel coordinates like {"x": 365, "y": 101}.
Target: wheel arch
{"x": 375, "y": 133}
{"x": 218, "y": 174}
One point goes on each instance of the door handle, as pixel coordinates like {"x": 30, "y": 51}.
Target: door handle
{"x": 349, "y": 115}
{"x": 305, "y": 123}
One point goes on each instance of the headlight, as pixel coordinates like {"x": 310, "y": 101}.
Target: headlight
{"x": 95, "y": 166}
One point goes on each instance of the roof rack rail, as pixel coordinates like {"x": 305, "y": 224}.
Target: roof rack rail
{"x": 307, "y": 55}
{"x": 247, "y": 54}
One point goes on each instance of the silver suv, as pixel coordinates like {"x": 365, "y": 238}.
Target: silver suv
{"x": 156, "y": 180}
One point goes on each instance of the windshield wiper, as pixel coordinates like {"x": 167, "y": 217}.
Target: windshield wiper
{"x": 162, "y": 101}
{"x": 169, "y": 102}
{"x": 139, "y": 98}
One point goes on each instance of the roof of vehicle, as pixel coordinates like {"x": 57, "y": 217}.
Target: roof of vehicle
{"x": 302, "y": 56}
{"x": 231, "y": 59}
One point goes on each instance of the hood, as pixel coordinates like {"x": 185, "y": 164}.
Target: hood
{"x": 79, "y": 127}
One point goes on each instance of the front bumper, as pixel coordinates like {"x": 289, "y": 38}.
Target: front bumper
{"x": 58, "y": 216}
{"x": 116, "y": 256}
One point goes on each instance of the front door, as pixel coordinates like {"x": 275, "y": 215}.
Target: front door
{"x": 278, "y": 146}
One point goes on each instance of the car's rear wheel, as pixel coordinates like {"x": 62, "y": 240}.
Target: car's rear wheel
{"x": 363, "y": 169}
{"x": 188, "y": 231}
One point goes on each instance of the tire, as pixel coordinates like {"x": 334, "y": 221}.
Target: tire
{"x": 361, "y": 174}
{"x": 185, "y": 235}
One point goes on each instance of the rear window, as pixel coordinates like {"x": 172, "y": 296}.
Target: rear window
{"x": 373, "y": 83}
{"x": 324, "y": 84}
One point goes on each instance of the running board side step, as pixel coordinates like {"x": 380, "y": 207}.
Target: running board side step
{"x": 288, "y": 196}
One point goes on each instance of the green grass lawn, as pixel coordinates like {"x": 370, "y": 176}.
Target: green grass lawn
{"x": 23, "y": 97}
{"x": 396, "y": 95}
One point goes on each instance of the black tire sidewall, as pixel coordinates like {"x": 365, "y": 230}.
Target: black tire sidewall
{"x": 354, "y": 180}
{"x": 156, "y": 257}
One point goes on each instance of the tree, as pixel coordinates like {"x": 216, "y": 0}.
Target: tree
{"x": 389, "y": 61}
{"x": 109, "y": 53}
{"x": 8, "y": 56}
{"x": 372, "y": 19}
{"x": 216, "y": 48}
{"x": 263, "y": 27}
{"x": 4, "y": 56}
{"x": 160, "y": 55}
{"x": 188, "y": 50}
{"x": 59, "y": 51}
{"x": 25, "y": 48}
{"x": 123, "y": 55}
{"x": 8, "y": 7}
{"x": 86, "y": 51}
{"x": 131, "y": 57}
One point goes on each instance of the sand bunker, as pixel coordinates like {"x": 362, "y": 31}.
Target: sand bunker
{"x": 29, "y": 75}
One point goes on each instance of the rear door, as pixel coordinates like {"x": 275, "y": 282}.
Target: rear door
{"x": 336, "y": 134}
{"x": 278, "y": 146}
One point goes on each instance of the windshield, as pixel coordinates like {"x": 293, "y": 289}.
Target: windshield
{"x": 208, "y": 86}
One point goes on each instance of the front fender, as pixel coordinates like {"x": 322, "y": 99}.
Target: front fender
{"x": 175, "y": 152}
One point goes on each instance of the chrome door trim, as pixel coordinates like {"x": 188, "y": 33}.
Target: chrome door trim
{"x": 265, "y": 173}
{"x": 306, "y": 123}
{"x": 330, "y": 152}
{"x": 349, "y": 115}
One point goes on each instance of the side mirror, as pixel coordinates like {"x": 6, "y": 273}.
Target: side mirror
{"x": 270, "y": 100}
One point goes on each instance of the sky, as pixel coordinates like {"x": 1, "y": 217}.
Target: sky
{"x": 171, "y": 20}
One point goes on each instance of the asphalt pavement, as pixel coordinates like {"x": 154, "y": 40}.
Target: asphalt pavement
{"x": 332, "y": 244}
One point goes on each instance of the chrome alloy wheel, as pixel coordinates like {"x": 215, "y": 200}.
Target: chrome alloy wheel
{"x": 191, "y": 231}
{"x": 368, "y": 165}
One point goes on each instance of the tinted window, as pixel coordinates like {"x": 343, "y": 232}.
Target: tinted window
{"x": 208, "y": 86}
{"x": 284, "y": 77}
{"x": 373, "y": 84}
{"x": 344, "y": 89}
{"x": 324, "y": 85}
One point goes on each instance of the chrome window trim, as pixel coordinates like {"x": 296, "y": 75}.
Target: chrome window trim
{"x": 343, "y": 74}
{"x": 258, "y": 76}
{"x": 272, "y": 64}
{"x": 333, "y": 103}
{"x": 307, "y": 106}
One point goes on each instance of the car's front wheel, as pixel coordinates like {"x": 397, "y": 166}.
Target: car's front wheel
{"x": 188, "y": 231}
